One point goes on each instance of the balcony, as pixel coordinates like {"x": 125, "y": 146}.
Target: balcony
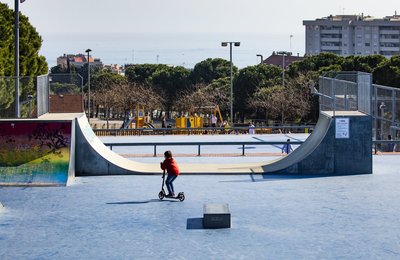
{"x": 331, "y": 48}
{"x": 395, "y": 49}
{"x": 389, "y": 32}
{"x": 388, "y": 40}
{"x": 331, "y": 40}
{"x": 333, "y": 31}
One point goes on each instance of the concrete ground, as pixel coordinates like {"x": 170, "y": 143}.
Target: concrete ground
{"x": 120, "y": 217}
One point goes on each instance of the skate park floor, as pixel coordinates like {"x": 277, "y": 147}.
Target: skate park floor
{"x": 121, "y": 217}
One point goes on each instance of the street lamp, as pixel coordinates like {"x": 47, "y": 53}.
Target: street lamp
{"x": 382, "y": 107}
{"x": 283, "y": 53}
{"x": 16, "y": 57}
{"x": 88, "y": 61}
{"x": 262, "y": 59}
{"x": 236, "y": 44}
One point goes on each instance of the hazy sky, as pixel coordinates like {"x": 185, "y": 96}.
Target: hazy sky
{"x": 236, "y": 16}
{"x": 278, "y": 19}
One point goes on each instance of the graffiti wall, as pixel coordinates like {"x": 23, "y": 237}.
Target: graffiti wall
{"x": 34, "y": 153}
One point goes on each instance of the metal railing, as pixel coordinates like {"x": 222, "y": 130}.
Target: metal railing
{"x": 204, "y": 130}
{"x": 378, "y": 145}
{"x": 199, "y": 144}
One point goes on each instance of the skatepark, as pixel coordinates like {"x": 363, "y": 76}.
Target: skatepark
{"x": 278, "y": 217}
{"x": 330, "y": 198}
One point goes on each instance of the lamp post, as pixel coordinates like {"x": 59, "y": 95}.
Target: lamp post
{"x": 262, "y": 59}
{"x": 382, "y": 107}
{"x": 88, "y": 61}
{"x": 283, "y": 53}
{"x": 236, "y": 44}
{"x": 16, "y": 57}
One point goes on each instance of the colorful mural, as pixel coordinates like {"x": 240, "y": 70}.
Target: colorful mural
{"x": 34, "y": 153}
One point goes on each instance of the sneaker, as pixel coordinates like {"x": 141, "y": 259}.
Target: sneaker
{"x": 169, "y": 195}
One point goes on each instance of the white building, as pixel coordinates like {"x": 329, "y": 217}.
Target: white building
{"x": 353, "y": 35}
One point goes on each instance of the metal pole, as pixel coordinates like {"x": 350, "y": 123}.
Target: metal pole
{"x": 16, "y": 58}
{"x": 88, "y": 54}
{"x": 230, "y": 46}
{"x": 283, "y": 70}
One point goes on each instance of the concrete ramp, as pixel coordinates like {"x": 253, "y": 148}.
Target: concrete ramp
{"x": 321, "y": 153}
{"x": 326, "y": 152}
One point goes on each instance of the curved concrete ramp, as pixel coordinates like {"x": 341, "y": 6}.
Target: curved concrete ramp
{"x": 321, "y": 153}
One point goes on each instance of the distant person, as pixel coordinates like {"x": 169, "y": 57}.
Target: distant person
{"x": 391, "y": 147}
{"x": 252, "y": 129}
{"x": 225, "y": 126}
{"x": 170, "y": 165}
{"x": 163, "y": 122}
{"x": 213, "y": 120}
{"x": 287, "y": 148}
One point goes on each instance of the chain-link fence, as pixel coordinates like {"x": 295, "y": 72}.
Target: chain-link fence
{"x": 66, "y": 84}
{"x": 33, "y": 99}
{"x": 352, "y": 91}
{"x": 35, "y": 94}
{"x": 386, "y": 112}
{"x": 345, "y": 91}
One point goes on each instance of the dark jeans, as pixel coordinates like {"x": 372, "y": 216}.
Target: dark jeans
{"x": 169, "y": 181}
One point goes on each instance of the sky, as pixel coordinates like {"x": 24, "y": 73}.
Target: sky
{"x": 275, "y": 19}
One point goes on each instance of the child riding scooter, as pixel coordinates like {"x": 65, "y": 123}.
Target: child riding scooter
{"x": 170, "y": 165}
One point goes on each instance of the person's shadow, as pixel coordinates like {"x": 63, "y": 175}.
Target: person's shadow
{"x": 138, "y": 202}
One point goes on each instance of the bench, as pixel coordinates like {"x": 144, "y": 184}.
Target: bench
{"x": 216, "y": 216}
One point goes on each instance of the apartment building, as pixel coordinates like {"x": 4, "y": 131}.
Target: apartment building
{"x": 353, "y": 35}
{"x": 77, "y": 60}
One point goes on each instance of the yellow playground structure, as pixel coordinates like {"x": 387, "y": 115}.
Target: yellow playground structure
{"x": 198, "y": 121}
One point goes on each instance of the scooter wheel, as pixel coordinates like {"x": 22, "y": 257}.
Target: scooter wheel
{"x": 181, "y": 197}
{"x": 161, "y": 195}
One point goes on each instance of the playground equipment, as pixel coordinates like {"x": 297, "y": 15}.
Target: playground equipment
{"x": 198, "y": 121}
{"x": 140, "y": 119}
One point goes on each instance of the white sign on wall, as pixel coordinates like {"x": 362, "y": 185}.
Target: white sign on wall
{"x": 342, "y": 128}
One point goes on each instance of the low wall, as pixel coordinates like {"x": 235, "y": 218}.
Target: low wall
{"x": 66, "y": 103}
{"x": 35, "y": 153}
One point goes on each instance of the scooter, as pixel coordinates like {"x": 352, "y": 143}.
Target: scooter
{"x": 162, "y": 194}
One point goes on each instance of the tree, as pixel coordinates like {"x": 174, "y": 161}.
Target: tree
{"x": 31, "y": 63}
{"x": 362, "y": 63}
{"x": 201, "y": 95}
{"x": 121, "y": 97}
{"x": 211, "y": 69}
{"x": 314, "y": 63}
{"x": 142, "y": 73}
{"x": 252, "y": 78}
{"x": 292, "y": 102}
{"x": 105, "y": 79}
{"x": 388, "y": 73}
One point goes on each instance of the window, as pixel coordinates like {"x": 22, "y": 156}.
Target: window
{"x": 367, "y": 44}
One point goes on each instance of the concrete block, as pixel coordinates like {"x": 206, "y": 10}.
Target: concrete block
{"x": 216, "y": 216}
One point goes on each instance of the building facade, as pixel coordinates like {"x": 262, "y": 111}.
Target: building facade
{"x": 77, "y": 60}
{"x": 353, "y": 35}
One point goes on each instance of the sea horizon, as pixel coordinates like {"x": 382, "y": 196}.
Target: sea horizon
{"x": 178, "y": 49}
